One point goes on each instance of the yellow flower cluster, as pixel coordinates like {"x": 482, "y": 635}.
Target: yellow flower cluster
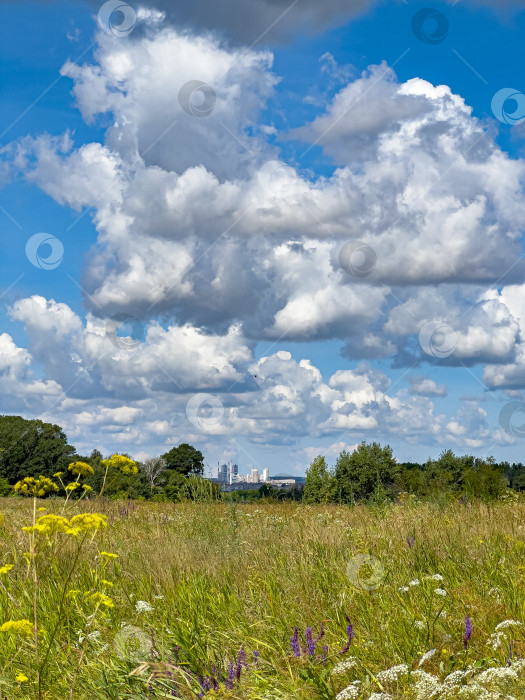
{"x": 5, "y": 569}
{"x": 122, "y": 463}
{"x": 52, "y": 524}
{"x": 109, "y": 555}
{"x": 72, "y": 486}
{"x": 81, "y": 468}
{"x": 35, "y": 487}
{"x": 22, "y": 678}
{"x": 23, "y": 627}
{"x": 101, "y": 599}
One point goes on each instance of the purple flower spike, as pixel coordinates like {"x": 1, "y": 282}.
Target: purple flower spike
{"x": 241, "y": 660}
{"x": 295, "y": 643}
{"x": 310, "y": 642}
{"x": 255, "y": 657}
{"x": 468, "y": 631}
{"x": 349, "y": 634}
{"x": 231, "y": 676}
{"x": 410, "y": 541}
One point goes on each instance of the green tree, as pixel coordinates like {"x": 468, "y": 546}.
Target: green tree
{"x": 185, "y": 459}
{"x": 319, "y": 484}
{"x": 360, "y": 474}
{"x": 32, "y": 448}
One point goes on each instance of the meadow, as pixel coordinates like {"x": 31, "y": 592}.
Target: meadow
{"x": 272, "y": 600}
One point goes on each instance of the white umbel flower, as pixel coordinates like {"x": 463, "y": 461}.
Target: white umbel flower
{"x": 426, "y": 657}
{"x": 392, "y": 674}
{"x": 143, "y": 606}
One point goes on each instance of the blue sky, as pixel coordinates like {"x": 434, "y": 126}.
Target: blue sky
{"x": 241, "y": 300}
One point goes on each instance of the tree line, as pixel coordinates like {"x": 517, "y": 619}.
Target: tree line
{"x": 368, "y": 474}
{"x": 372, "y": 474}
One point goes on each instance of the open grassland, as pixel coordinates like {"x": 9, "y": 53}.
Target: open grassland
{"x": 194, "y": 584}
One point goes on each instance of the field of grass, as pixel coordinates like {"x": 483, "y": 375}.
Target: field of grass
{"x": 203, "y": 600}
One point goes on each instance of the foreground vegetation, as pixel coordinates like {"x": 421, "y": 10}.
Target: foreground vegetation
{"x": 215, "y": 600}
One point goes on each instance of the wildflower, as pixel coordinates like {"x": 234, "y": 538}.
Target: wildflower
{"x": 50, "y": 525}
{"x": 410, "y": 541}
{"x": 403, "y": 589}
{"x": 415, "y": 582}
{"x": 21, "y": 678}
{"x": 255, "y": 657}
{"x": 437, "y": 577}
{"x": 122, "y": 463}
{"x": 87, "y": 488}
{"x": 58, "y": 475}
{"x": 295, "y": 643}
{"x": 441, "y": 592}
{"x": 109, "y": 555}
{"x": 309, "y": 641}
{"x": 73, "y": 593}
{"x": 106, "y": 583}
{"x": 468, "y": 631}
{"x": 88, "y": 521}
{"x": 81, "y": 468}
{"x": 5, "y": 569}
{"x": 23, "y": 627}
{"x": 35, "y": 487}
{"x": 344, "y": 666}
{"x": 241, "y": 661}
{"x": 420, "y": 624}
{"x": 392, "y": 674}
{"x": 101, "y": 599}
{"x": 349, "y": 693}
{"x": 72, "y": 486}
{"x": 508, "y": 623}
{"x": 427, "y": 656}
{"x": 349, "y": 634}
{"x": 143, "y": 606}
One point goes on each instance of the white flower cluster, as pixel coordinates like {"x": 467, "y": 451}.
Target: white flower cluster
{"x": 441, "y": 592}
{"x": 392, "y": 674}
{"x": 350, "y": 692}
{"x": 426, "y": 657}
{"x": 344, "y": 666}
{"x": 143, "y": 606}
{"x": 508, "y": 623}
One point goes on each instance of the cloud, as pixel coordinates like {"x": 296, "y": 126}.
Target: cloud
{"x": 423, "y": 386}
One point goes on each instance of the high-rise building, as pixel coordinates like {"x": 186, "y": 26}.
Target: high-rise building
{"x": 255, "y": 476}
{"x": 223, "y": 474}
{"x": 265, "y": 475}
